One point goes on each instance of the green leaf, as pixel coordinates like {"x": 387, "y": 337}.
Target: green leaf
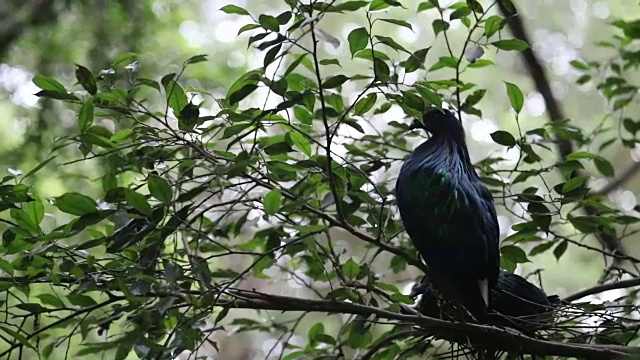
{"x": 405, "y": 299}
{"x": 354, "y": 124}
{"x": 196, "y": 59}
{"x": 294, "y": 64}
{"x": 541, "y": 248}
{"x": 583, "y": 79}
{"x": 75, "y": 204}
{"x": 574, "y": 183}
{"x": 630, "y": 125}
{"x": 6, "y": 267}
{"x": 503, "y": 138}
{"x": 367, "y": 54}
{"x": 17, "y": 336}
{"x": 398, "y": 22}
{"x": 85, "y": 117}
{"x": 515, "y": 96}
{"x": 560, "y": 249}
{"x": 56, "y": 95}
{"x": 303, "y": 115}
{"x": 176, "y": 97}
{"x": 445, "y": 62}
{"x": 86, "y": 79}
{"x": 430, "y": 97}
{"x": 631, "y": 29}
{"x": 271, "y": 55}
{"x": 272, "y": 201}
{"x": 49, "y": 84}
{"x": 481, "y": 63}
{"x": 234, "y": 9}
{"x": 391, "y": 43}
{"x": 330, "y": 62}
{"x": 350, "y": 5}
{"x": 242, "y": 93}
{"x": 334, "y": 81}
{"x": 459, "y": 13}
{"x": 301, "y": 142}
{"x": 507, "y": 264}
{"x": 284, "y": 17}
{"x": 244, "y": 86}
{"x": 492, "y": 25}
{"x": 604, "y": 166}
{"x": 188, "y": 117}
{"x": 511, "y": 45}
{"x": 514, "y": 253}
{"x": 109, "y": 181}
{"x": 137, "y": 201}
{"x": 381, "y": 69}
{"x": 475, "y": 97}
{"x": 247, "y": 28}
{"x": 365, "y": 104}
{"x": 350, "y": 269}
{"x": 477, "y": 8}
{"x": 358, "y": 40}
{"x": 425, "y": 5}
{"x": 269, "y": 22}
{"x": 51, "y": 300}
{"x": 415, "y": 60}
{"x": 24, "y": 221}
{"x": 380, "y": 4}
{"x": 31, "y": 307}
{"x": 159, "y": 188}
{"x": 124, "y": 58}
{"x": 148, "y": 82}
{"x": 581, "y": 155}
{"x": 81, "y": 300}
{"x": 439, "y": 26}
{"x": 588, "y": 224}
{"x": 317, "y": 329}
{"x": 35, "y": 210}
{"x": 579, "y": 65}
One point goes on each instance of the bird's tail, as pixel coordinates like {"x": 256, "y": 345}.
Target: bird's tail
{"x": 473, "y": 294}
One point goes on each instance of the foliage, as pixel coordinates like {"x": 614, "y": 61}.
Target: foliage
{"x": 292, "y": 181}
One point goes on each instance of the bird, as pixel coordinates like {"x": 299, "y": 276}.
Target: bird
{"x": 519, "y": 304}
{"x": 449, "y": 214}
{"x": 514, "y": 302}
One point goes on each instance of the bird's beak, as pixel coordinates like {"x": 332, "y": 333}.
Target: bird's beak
{"x": 416, "y": 124}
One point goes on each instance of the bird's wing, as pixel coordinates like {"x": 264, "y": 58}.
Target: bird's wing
{"x": 444, "y": 218}
{"x": 518, "y": 286}
{"x": 490, "y": 233}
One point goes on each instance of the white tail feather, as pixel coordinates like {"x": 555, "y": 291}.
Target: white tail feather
{"x": 484, "y": 290}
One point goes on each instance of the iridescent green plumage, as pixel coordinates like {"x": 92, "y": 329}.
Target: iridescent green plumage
{"x": 449, "y": 214}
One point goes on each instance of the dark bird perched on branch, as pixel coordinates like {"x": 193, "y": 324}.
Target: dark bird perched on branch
{"x": 514, "y": 303}
{"x": 449, "y": 214}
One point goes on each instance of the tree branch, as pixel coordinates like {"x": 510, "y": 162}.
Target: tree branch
{"x": 503, "y": 339}
{"x": 602, "y": 288}
{"x": 497, "y": 338}
{"x": 626, "y": 175}
{"x": 565, "y": 147}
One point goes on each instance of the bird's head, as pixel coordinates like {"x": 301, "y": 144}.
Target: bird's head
{"x": 439, "y": 123}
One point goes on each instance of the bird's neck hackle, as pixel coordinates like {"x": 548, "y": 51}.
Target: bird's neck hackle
{"x": 454, "y": 140}
{"x": 451, "y": 129}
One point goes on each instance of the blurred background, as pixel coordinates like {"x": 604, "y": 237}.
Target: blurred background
{"x": 48, "y": 37}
